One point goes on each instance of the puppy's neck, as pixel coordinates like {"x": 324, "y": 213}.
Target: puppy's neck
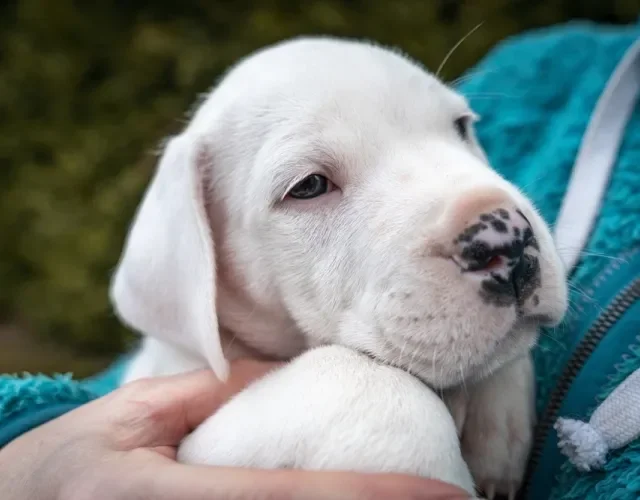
{"x": 235, "y": 347}
{"x": 259, "y": 330}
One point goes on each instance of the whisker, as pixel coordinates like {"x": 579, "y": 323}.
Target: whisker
{"x": 552, "y": 337}
{"x": 575, "y": 310}
{"x": 525, "y": 187}
{"x": 433, "y": 369}
{"x": 483, "y": 95}
{"x": 468, "y": 76}
{"x": 413, "y": 357}
{"x": 589, "y": 253}
{"x": 453, "y": 49}
{"x": 582, "y": 294}
{"x": 576, "y": 288}
{"x": 463, "y": 381}
{"x": 400, "y": 356}
{"x": 231, "y": 341}
{"x": 585, "y": 296}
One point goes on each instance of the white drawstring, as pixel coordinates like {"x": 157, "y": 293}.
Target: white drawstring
{"x": 596, "y": 158}
{"x": 616, "y": 422}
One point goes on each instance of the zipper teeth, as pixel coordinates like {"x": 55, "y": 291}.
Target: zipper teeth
{"x": 587, "y": 345}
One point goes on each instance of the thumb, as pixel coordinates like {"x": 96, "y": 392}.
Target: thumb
{"x": 198, "y": 482}
{"x": 162, "y": 411}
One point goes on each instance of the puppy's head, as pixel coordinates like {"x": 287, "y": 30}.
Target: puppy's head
{"x": 341, "y": 186}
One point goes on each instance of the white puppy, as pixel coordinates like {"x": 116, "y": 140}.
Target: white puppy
{"x": 332, "y": 193}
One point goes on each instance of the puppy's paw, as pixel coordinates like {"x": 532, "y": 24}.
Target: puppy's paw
{"x": 498, "y": 430}
{"x": 457, "y": 401}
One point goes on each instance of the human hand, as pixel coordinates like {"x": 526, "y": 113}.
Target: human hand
{"x": 122, "y": 447}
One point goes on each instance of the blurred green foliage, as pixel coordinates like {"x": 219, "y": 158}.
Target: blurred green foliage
{"x": 88, "y": 89}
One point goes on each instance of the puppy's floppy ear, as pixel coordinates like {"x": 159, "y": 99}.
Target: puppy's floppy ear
{"x": 165, "y": 283}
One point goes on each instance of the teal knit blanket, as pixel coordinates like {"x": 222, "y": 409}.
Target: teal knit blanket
{"x": 535, "y": 94}
{"x": 27, "y": 401}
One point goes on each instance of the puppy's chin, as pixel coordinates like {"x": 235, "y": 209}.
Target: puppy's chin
{"x": 457, "y": 365}
{"x": 519, "y": 342}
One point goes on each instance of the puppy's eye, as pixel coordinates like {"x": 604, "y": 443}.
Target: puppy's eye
{"x": 462, "y": 127}
{"x": 311, "y": 187}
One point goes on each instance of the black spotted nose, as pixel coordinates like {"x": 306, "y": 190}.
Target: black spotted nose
{"x": 494, "y": 246}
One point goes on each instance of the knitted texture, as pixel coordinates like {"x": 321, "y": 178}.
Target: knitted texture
{"x": 29, "y": 400}
{"x": 535, "y": 94}
{"x": 26, "y": 393}
{"x": 620, "y": 477}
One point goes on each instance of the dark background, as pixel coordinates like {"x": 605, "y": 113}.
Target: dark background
{"x": 89, "y": 89}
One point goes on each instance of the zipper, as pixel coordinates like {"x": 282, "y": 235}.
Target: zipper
{"x": 616, "y": 309}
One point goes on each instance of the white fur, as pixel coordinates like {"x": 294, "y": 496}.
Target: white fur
{"x": 220, "y": 261}
{"x": 284, "y": 408}
{"x": 497, "y": 426}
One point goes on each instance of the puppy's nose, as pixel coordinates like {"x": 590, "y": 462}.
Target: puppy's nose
{"x": 495, "y": 236}
{"x": 493, "y": 243}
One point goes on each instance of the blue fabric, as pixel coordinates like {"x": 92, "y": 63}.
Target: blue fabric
{"x": 592, "y": 383}
{"x": 27, "y": 401}
{"x": 535, "y": 94}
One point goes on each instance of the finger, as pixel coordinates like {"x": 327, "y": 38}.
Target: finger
{"x": 169, "y": 452}
{"x": 243, "y": 372}
{"x": 161, "y": 411}
{"x": 176, "y": 481}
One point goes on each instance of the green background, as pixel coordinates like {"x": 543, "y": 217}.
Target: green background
{"x": 89, "y": 89}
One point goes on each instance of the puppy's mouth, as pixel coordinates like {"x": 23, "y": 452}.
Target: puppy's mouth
{"x": 519, "y": 339}
{"x": 408, "y": 369}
